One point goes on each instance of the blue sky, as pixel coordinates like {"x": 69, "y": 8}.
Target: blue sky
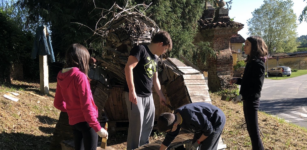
{"x": 242, "y": 10}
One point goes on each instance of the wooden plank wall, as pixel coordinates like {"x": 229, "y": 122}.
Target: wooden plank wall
{"x": 116, "y": 109}
{"x": 115, "y": 106}
{"x": 184, "y": 83}
{"x": 100, "y": 95}
{"x": 160, "y": 108}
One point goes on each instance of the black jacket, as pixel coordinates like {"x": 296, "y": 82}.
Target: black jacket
{"x": 198, "y": 117}
{"x": 252, "y": 81}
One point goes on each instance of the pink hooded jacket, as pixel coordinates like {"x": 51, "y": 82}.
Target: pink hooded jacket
{"x": 73, "y": 95}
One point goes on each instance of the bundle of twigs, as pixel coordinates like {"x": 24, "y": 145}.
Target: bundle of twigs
{"x": 127, "y": 27}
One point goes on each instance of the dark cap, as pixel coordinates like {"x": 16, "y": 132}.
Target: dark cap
{"x": 166, "y": 121}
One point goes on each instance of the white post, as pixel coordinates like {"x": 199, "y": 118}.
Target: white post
{"x": 43, "y": 70}
{"x": 44, "y": 74}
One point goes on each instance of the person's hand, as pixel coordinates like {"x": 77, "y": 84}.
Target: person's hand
{"x": 194, "y": 146}
{"x": 232, "y": 81}
{"x": 162, "y": 99}
{"x": 103, "y": 133}
{"x": 132, "y": 97}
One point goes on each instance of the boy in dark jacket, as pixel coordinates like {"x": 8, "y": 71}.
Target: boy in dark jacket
{"x": 203, "y": 119}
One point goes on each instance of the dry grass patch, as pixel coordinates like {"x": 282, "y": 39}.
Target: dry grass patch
{"x": 277, "y": 133}
{"x": 29, "y": 123}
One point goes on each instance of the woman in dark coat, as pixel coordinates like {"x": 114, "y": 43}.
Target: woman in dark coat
{"x": 251, "y": 85}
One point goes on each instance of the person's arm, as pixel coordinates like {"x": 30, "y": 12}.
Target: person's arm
{"x": 202, "y": 138}
{"x": 257, "y": 77}
{"x": 236, "y": 81}
{"x": 158, "y": 89}
{"x": 132, "y": 62}
{"x": 86, "y": 102}
{"x": 163, "y": 147}
{"x": 239, "y": 81}
{"x": 196, "y": 144}
{"x": 59, "y": 102}
{"x": 170, "y": 136}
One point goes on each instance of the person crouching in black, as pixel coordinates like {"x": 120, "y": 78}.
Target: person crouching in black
{"x": 203, "y": 119}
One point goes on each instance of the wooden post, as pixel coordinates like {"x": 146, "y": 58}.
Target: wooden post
{"x": 43, "y": 70}
{"x": 44, "y": 74}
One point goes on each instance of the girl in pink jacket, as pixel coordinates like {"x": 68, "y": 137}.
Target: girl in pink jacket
{"x": 73, "y": 95}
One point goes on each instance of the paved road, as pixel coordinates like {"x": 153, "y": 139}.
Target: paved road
{"x": 286, "y": 99}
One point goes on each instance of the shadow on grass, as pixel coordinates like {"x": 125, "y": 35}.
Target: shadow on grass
{"x": 46, "y": 120}
{"x": 29, "y": 86}
{"x": 20, "y": 141}
{"x": 46, "y": 130}
{"x": 18, "y": 87}
{"x": 36, "y": 91}
{"x": 282, "y": 105}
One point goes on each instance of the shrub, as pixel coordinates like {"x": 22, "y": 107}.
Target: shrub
{"x": 294, "y": 70}
{"x": 239, "y": 64}
{"x": 229, "y": 92}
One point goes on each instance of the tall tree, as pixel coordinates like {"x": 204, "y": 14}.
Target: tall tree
{"x": 303, "y": 16}
{"x": 179, "y": 18}
{"x": 302, "y": 41}
{"x": 275, "y": 22}
{"x": 15, "y": 43}
{"x": 60, "y": 15}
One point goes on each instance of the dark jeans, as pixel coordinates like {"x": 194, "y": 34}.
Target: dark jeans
{"x": 85, "y": 137}
{"x": 212, "y": 141}
{"x": 250, "y": 108}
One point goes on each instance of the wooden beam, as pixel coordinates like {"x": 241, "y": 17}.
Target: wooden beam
{"x": 44, "y": 74}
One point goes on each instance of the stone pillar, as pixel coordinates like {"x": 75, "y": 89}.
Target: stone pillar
{"x": 218, "y": 32}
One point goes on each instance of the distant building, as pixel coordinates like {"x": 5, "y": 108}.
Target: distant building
{"x": 296, "y": 60}
{"x": 236, "y": 42}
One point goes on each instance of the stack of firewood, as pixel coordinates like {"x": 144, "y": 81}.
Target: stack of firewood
{"x": 125, "y": 32}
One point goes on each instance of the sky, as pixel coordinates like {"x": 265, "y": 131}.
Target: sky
{"x": 242, "y": 10}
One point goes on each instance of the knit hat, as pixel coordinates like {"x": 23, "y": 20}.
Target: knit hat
{"x": 166, "y": 121}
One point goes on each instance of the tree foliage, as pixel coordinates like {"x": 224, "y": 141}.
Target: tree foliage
{"x": 275, "y": 22}
{"x": 15, "y": 44}
{"x": 303, "y": 16}
{"x": 179, "y": 18}
{"x": 302, "y": 40}
{"x": 60, "y": 15}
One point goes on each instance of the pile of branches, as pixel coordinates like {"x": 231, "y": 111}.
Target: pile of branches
{"x": 127, "y": 27}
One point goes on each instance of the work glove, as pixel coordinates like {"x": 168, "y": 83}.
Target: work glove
{"x": 237, "y": 99}
{"x": 194, "y": 146}
{"x": 103, "y": 133}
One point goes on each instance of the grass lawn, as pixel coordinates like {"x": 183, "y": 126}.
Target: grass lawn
{"x": 277, "y": 134}
{"x": 294, "y": 74}
{"x": 29, "y": 123}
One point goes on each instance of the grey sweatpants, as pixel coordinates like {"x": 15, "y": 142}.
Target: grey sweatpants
{"x": 141, "y": 120}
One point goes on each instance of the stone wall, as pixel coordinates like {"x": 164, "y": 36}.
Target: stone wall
{"x": 220, "y": 67}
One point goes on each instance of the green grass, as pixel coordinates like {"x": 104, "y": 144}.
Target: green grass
{"x": 4, "y": 89}
{"x": 302, "y": 49}
{"x": 293, "y": 74}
